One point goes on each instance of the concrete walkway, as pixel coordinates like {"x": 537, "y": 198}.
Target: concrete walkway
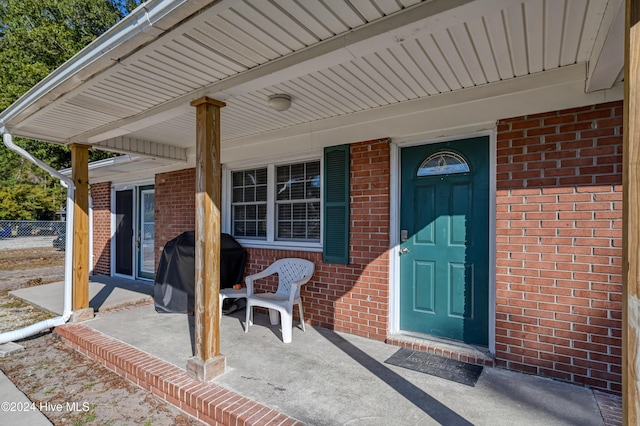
{"x": 104, "y": 293}
{"x": 16, "y": 409}
{"x": 329, "y": 378}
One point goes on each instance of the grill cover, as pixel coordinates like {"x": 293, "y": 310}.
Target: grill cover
{"x": 174, "y": 286}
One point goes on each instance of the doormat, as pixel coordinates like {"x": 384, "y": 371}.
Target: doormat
{"x": 445, "y": 368}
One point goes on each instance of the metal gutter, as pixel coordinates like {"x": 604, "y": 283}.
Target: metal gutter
{"x": 141, "y": 26}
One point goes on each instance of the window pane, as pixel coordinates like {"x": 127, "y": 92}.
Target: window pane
{"x": 251, "y": 212}
{"x": 297, "y": 191}
{"x": 313, "y": 211}
{"x": 239, "y": 213}
{"x": 237, "y": 178}
{"x": 148, "y": 204}
{"x": 249, "y": 203}
{"x": 284, "y": 212}
{"x": 298, "y": 201}
{"x": 313, "y": 232}
{"x": 297, "y": 171}
{"x": 148, "y": 231}
{"x": 443, "y": 163}
{"x": 284, "y": 230}
{"x": 283, "y": 184}
{"x": 261, "y": 177}
{"x": 238, "y": 195}
{"x": 313, "y": 169}
{"x": 299, "y": 230}
{"x": 283, "y": 191}
{"x": 299, "y": 211}
{"x": 238, "y": 229}
{"x": 249, "y": 194}
{"x": 261, "y": 193}
{"x": 251, "y": 230}
{"x": 313, "y": 188}
{"x": 250, "y": 178}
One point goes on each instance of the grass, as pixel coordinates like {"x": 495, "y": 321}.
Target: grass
{"x": 37, "y": 257}
{"x": 50, "y": 391}
{"x": 15, "y": 313}
{"x": 14, "y": 304}
{"x": 86, "y": 419}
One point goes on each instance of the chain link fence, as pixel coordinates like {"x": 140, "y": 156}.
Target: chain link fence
{"x": 16, "y": 234}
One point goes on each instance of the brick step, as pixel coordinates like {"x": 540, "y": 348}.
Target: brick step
{"x": 207, "y": 402}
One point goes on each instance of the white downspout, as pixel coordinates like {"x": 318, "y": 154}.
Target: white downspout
{"x": 67, "y": 182}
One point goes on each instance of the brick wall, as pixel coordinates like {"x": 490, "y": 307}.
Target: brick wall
{"x": 558, "y": 260}
{"x": 559, "y": 239}
{"x": 175, "y": 201}
{"x": 101, "y": 196}
{"x": 352, "y": 298}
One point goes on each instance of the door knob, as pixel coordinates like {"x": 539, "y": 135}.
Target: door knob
{"x": 404, "y": 250}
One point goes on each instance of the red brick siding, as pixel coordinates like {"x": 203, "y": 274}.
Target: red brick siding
{"x": 175, "y": 201}
{"x": 558, "y": 226}
{"x": 559, "y": 239}
{"x": 101, "y": 196}
{"x": 352, "y": 298}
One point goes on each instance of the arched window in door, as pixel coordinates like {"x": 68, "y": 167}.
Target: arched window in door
{"x": 443, "y": 163}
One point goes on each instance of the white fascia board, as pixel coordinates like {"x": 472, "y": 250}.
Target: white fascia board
{"x": 126, "y": 145}
{"x": 140, "y": 27}
{"x": 118, "y": 177}
{"x": 107, "y": 162}
{"x": 111, "y": 170}
{"x": 607, "y": 56}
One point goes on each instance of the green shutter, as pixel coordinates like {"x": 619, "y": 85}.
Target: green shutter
{"x": 336, "y": 204}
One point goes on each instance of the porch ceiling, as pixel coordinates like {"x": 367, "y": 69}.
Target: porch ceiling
{"x": 333, "y": 58}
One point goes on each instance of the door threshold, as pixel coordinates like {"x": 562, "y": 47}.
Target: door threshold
{"x": 458, "y": 351}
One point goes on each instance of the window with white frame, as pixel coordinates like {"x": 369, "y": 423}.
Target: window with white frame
{"x": 277, "y": 202}
{"x": 249, "y": 203}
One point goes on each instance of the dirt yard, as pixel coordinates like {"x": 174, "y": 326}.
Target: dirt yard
{"x": 48, "y": 371}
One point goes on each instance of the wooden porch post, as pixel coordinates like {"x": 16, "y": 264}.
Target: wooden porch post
{"x": 631, "y": 219}
{"x": 80, "y": 280}
{"x": 207, "y": 362}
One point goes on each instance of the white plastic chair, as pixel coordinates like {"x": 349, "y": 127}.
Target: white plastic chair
{"x": 292, "y": 275}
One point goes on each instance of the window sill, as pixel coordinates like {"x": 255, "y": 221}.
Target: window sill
{"x": 280, "y": 245}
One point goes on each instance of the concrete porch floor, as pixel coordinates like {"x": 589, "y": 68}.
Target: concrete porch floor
{"x": 321, "y": 378}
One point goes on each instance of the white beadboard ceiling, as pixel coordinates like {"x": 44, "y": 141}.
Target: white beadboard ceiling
{"x": 333, "y": 57}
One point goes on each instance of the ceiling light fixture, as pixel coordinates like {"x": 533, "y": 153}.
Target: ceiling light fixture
{"x": 280, "y": 102}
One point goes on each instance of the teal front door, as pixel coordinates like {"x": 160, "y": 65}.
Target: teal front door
{"x": 444, "y": 221}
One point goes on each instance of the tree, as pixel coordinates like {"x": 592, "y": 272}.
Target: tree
{"x": 37, "y": 36}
